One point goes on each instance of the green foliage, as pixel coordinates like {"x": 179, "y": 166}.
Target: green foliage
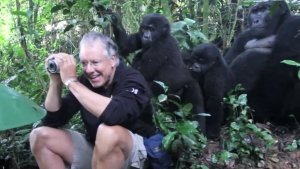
{"x": 295, "y": 144}
{"x": 292, "y": 63}
{"x": 182, "y": 136}
{"x": 243, "y": 136}
{"x": 187, "y": 33}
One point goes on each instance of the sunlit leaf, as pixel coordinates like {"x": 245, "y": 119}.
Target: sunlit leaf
{"x": 167, "y": 140}
{"x": 177, "y": 26}
{"x": 19, "y": 13}
{"x": 162, "y": 98}
{"x": 29, "y": 13}
{"x": 290, "y": 62}
{"x": 187, "y": 127}
{"x": 189, "y": 21}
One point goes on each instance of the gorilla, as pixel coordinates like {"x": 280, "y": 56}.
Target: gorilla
{"x": 255, "y": 60}
{"x": 159, "y": 60}
{"x": 215, "y": 79}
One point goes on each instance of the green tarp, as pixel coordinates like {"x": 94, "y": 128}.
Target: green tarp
{"x": 16, "y": 110}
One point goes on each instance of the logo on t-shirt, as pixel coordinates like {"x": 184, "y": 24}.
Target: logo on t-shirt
{"x": 133, "y": 90}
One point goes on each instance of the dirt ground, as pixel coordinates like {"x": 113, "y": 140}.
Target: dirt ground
{"x": 277, "y": 157}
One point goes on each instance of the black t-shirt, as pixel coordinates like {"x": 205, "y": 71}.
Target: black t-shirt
{"x": 130, "y": 105}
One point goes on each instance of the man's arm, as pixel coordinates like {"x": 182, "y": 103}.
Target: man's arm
{"x": 93, "y": 102}
{"x": 128, "y": 102}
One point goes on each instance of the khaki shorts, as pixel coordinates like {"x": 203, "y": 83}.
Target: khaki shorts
{"x": 83, "y": 152}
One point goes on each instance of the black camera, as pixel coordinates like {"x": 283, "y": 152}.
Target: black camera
{"x": 52, "y": 66}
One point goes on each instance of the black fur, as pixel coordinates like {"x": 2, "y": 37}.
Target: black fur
{"x": 272, "y": 87}
{"x": 160, "y": 60}
{"x": 215, "y": 79}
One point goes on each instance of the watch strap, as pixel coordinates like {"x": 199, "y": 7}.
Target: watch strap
{"x": 69, "y": 81}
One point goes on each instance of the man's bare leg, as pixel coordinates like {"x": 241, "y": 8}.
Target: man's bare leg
{"x": 50, "y": 146}
{"x": 113, "y": 145}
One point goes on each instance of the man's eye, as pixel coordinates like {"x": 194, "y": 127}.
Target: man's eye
{"x": 95, "y": 63}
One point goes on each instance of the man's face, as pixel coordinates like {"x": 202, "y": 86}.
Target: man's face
{"x": 98, "y": 69}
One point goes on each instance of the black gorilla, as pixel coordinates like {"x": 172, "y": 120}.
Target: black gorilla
{"x": 215, "y": 79}
{"x": 255, "y": 60}
{"x": 160, "y": 60}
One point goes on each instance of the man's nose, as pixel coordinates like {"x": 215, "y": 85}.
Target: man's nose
{"x": 89, "y": 68}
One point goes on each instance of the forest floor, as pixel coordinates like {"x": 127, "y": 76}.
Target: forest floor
{"x": 276, "y": 157}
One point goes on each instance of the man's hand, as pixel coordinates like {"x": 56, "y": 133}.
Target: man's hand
{"x": 67, "y": 65}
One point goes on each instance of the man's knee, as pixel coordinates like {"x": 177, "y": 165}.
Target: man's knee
{"x": 38, "y": 138}
{"x": 111, "y": 132}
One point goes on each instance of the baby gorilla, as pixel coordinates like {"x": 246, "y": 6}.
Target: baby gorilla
{"x": 214, "y": 78}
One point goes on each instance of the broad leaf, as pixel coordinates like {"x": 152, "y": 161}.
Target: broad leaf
{"x": 167, "y": 140}
{"x": 162, "y": 98}
{"x": 19, "y": 13}
{"x": 290, "y": 62}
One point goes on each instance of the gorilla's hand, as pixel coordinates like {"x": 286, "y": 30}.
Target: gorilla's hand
{"x": 267, "y": 42}
{"x": 115, "y": 19}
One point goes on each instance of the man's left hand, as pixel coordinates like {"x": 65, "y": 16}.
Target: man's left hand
{"x": 67, "y": 66}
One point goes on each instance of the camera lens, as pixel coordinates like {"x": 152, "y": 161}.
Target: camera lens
{"x": 53, "y": 67}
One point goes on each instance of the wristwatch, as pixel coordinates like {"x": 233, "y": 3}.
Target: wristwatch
{"x": 69, "y": 81}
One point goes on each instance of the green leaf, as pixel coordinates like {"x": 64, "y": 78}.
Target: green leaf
{"x": 274, "y": 8}
{"x": 57, "y": 8}
{"x": 66, "y": 11}
{"x": 179, "y": 113}
{"x": 189, "y": 21}
{"x": 214, "y": 158}
{"x": 188, "y": 107}
{"x": 19, "y": 13}
{"x": 204, "y": 167}
{"x": 167, "y": 140}
{"x": 293, "y": 146}
{"x": 69, "y": 27}
{"x": 70, "y": 3}
{"x": 162, "y": 85}
{"x": 188, "y": 141}
{"x": 177, "y": 144}
{"x": 177, "y": 26}
{"x": 162, "y": 98}
{"x": 203, "y": 114}
{"x": 235, "y": 126}
{"x": 29, "y": 13}
{"x": 187, "y": 127}
{"x": 225, "y": 155}
{"x": 290, "y": 62}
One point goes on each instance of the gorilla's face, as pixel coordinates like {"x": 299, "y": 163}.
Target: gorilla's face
{"x": 153, "y": 28}
{"x": 261, "y": 22}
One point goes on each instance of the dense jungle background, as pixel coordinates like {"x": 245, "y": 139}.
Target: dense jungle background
{"x": 30, "y": 30}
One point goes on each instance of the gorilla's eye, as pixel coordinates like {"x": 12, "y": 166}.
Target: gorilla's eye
{"x": 263, "y": 8}
{"x": 200, "y": 59}
{"x": 151, "y": 29}
{"x": 254, "y": 11}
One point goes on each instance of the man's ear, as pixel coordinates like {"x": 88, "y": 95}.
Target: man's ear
{"x": 113, "y": 60}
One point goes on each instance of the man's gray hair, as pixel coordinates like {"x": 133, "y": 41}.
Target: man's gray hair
{"x": 110, "y": 48}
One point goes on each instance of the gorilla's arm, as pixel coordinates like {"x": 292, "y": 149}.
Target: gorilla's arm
{"x": 238, "y": 46}
{"x": 126, "y": 43}
{"x": 263, "y": 46}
